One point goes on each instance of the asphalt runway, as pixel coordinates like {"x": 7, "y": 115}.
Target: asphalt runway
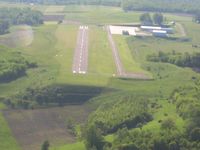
{"x": 80, "y": 61}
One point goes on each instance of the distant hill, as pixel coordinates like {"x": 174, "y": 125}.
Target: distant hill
{"x": 186, "y": 6}
{"x": 88, "y": 2}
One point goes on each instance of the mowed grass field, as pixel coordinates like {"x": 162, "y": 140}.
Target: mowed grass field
{"x": 100, "y": 54}
{"x": 128, "y": 60}
{"x": 100, "y": 15}
{"x": 75, "y": 146}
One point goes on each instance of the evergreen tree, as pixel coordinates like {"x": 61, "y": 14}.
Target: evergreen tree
{"x": 146, "y": 19}
{"x": 45, "y": 145}
{"x": 158, "y": 18}
{"x": 94, "y": 139}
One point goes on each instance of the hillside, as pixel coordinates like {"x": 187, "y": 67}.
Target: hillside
{"x": 178, "y": 6}
{"x": 76, "y": 86}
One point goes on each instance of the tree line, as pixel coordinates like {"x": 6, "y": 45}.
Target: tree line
{"x": 54, "y": 95}
{"x": 183, "y": 6}
{"x": 17, "y": 16}
{"x": 178, "y": 6}
{"x": 68, "y": 2}
{"x": 147, "y": 19}
{"x": 179, "y": 59}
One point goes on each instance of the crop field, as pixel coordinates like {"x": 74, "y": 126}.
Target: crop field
{"x": 53, "y": 47}
{"x": 52, "y": 125}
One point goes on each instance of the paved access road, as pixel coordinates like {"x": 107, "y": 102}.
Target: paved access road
{"x": 118, "y": 63}
{"x": 80, "y": 61}
{"x": 120, "y": 68}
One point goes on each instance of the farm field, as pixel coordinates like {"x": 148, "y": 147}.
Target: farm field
{"x": 52, "y": 125}
{"x": 6, "y": 138}
{"x": 98, "y": 93}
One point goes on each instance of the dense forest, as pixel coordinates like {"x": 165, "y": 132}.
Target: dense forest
{"x": 111, "y": 116}
{"x": 16, "y": 16}
{"x": 168, "y": 136}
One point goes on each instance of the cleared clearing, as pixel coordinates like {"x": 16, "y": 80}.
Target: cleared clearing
{"x": 19, "y": 36}
{"x": 181, "y": 29}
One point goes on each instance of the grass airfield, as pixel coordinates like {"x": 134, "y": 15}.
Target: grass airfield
{"x": 53, "y": 48}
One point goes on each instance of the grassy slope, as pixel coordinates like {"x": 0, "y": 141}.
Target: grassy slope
{"x": 52, "y": 69}
{"x": 41, "y": 51}
{"x": 7, "y": 140}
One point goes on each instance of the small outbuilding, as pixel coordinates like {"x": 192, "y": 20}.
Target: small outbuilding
{"x": 159, "y": 33}
{"x": 152, "y": 28}
{"x": 123, "y": 30}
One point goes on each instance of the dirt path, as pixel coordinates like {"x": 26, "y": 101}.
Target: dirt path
{"x": 182, "y": 29}
{"x": 118, "y": 63}
{"x": 80, "y": 61}
{"x": 120, "y": 68}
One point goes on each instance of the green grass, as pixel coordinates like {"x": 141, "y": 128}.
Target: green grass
{"x": 7, "y": 140}
{"x": 100, "y": 15}
{"x": 100, "y": 57}
{"x": 54, "y": 8}
{"x": 2, "y": 106}
{"x": 100, "y": 54}
{"x": 75, "y": 146}
{"x": 53, "y": 49}
{"x": 109, "y": 138}
{"x": 167, "y": 110}
{"x": 127, "y": 58}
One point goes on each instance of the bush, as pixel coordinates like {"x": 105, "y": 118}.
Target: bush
{"x": 195, "y": 134}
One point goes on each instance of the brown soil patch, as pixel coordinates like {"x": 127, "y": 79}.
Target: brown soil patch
{"x": 32, "y": 127}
